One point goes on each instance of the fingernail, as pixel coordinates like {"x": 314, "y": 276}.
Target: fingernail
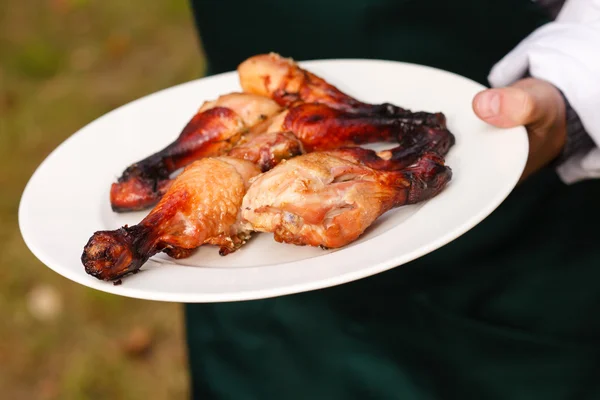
{"x": 488, "y": 104}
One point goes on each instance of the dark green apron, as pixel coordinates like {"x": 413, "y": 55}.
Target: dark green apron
{"x": 511, "y": 310}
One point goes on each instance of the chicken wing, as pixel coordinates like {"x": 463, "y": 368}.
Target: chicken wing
{"x": 202, "y": 205}
{"x": 329, "y": 199}
{"x": 283, "y": 80}
{"x": 215, "y": 129}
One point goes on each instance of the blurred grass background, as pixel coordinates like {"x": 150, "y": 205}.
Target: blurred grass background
{"x": 64, "y": 63}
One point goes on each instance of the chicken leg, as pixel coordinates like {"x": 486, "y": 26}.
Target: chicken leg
{"x": 284, "y": 81}
{"x": 214, "y": 130}
{"x": 329, "y": 199}
{"x": 318, "y": 126}
{"x": 321, "y": 127}
{"x": 202, "y": 205}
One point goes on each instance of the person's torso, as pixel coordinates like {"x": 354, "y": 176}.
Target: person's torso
{"x": 508, "y": 310}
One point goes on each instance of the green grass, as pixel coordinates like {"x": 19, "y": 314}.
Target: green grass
{"x": 64, "y": 63}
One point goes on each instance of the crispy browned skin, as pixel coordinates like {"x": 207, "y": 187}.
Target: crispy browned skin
{"x": 284, "y": 81}
{"x": 317, "y": 126}
{"x": 214, "y": 130}
{"x": 321, "y": 127}
{"x": 220, "y": 124}
{"x": 329, "y": 199}
{"x": 201, "y": 206}
{"x": 268, "y": 149}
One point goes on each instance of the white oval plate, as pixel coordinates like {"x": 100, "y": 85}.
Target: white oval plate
{"x": 66, "y": 199}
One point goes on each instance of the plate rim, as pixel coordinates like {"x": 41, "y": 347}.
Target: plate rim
{"x": 248, "y": 295}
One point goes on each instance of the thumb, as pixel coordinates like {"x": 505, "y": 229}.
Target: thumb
{"x": 535, "y": 103}
{"x": 510, "y": 106}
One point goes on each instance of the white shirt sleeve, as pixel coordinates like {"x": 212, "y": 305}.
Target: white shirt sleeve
{"x": 565, "y": 52}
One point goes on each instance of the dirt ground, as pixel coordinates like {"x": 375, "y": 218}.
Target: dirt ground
{"x": 64, "y": 63}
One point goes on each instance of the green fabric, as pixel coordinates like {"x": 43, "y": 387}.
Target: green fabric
{"x": 508, "y": 311}
{"x": 466, "y": 36}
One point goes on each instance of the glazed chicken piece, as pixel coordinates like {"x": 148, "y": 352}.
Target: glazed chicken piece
{"x": 321, "y": 127}
{"x": 268, "y": 149}
{"x": 201, "y": 206}
{"x": 283, "y": 80}
{"x": 219, "y": 125}
{"x": 214, "y": 130}
{"x": 329, "y": 199}
{"x": 203, "y": 203}
{"x": 318, "y": 126}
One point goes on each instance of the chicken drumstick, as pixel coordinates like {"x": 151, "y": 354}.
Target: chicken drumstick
{"x": 283, "y": 80}
{"x": 318, "y": 126}
{"x": 329, "y": 199}
{"x": 201, "y": 206}
{"x": 214, "y": 129}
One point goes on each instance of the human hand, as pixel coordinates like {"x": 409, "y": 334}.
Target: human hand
{"x": 534, "y": 103}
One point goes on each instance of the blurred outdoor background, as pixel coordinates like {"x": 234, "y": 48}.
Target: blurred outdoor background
{"x": 64, "y": 63}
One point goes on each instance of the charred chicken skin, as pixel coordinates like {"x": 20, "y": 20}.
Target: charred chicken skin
{"x": 325, "y": 198}
{"x": 284, "y": 81}
{"x": 329, "y": 199}
{"x": 321, "y": 127}
{"x": 268, "y": 149}
{"x": 201, "y": 206}
{"x": 214, "y": 130}
{"x": 333, "y": 120}
{"x": 318, "y": 126}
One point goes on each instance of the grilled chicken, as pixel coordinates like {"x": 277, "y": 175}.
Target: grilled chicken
{"x": 335, "y": 119}
{"x": 214, "y": 130}
{"x": 318, "y": 126}
{"x": 203, "y": 203}
{"x": 321, "y": 127}
{"x": 284, "y": 81}
{"x": 268, "y": 149}
{"x": 201, "y": 206}
{"x": 329, "y": 199}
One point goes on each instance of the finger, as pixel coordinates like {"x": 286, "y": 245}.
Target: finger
{"x": 508, "y": 107}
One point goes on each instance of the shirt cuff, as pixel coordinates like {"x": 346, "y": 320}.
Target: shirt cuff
{"x": 565, "y": 53}
{"x": 578, "y": 140}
